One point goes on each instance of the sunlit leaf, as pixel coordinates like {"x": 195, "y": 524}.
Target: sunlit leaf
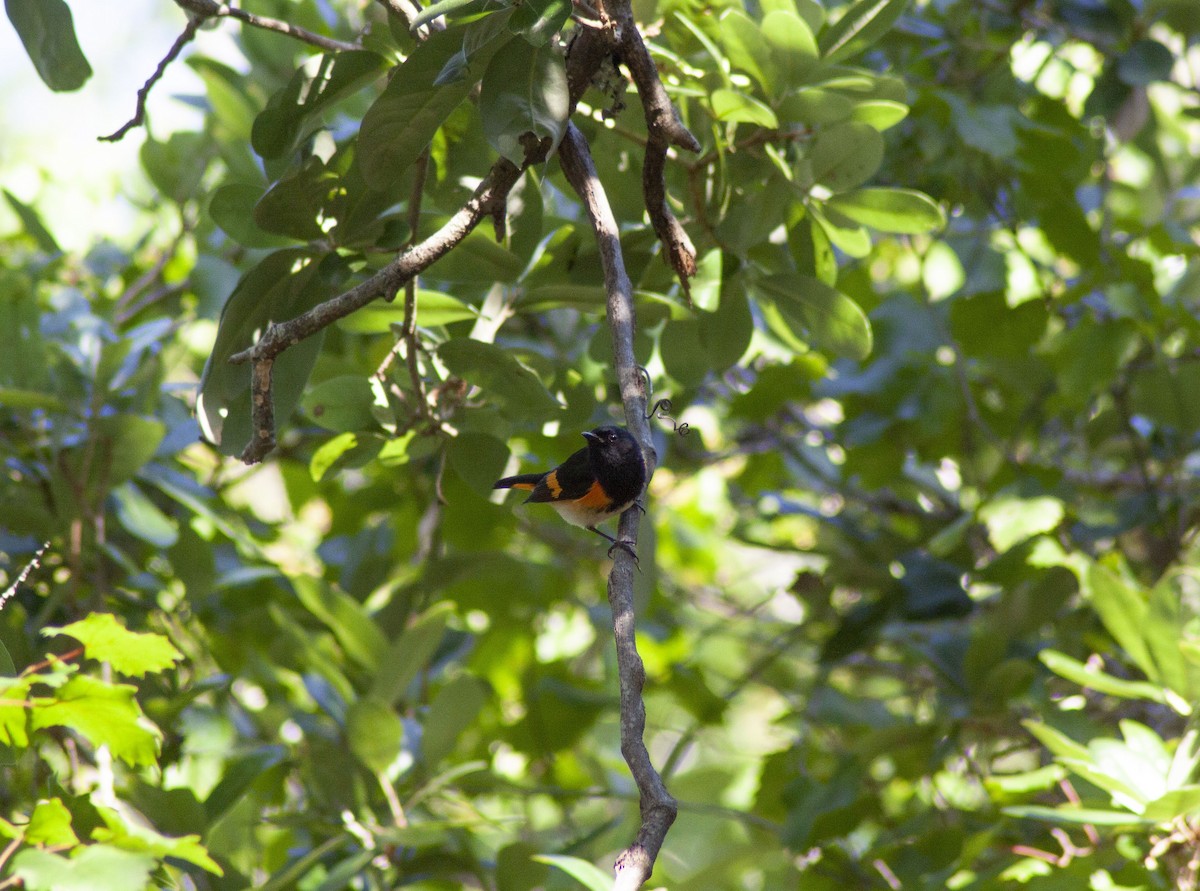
{"x": 106, "y": 639}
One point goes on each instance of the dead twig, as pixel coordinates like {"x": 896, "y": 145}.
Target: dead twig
{"x": 139, "y": 115}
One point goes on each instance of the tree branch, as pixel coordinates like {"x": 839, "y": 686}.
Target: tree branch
{"x": 489, "y": 195}
{"x": 139, "y": 115}
{"x": 658, "y": 808}
{"x": 213, "y": 9}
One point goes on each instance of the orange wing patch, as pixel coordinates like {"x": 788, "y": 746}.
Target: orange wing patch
{"x": 551, "y": 481}
{"x": 595, "y": 498}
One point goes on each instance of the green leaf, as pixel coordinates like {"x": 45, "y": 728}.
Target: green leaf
{"x": 478, "y": 260}
{"x": 539, "y": 20}
{"x": 232, "y": 109}
{"x": 1172, "y": 805}
{"x": 409, "y": 653}
{"x": 14, "y": 716}
{"x": 592, "y": 877}
{"x": 793, "y": 48}
{"x": 683, "y": 352}
{"x": 730, "y": 105}
{"x": 293, "y": 113}
{"x": 32, "y": 221}
{"x": 232, "y": 208}
{"x": 283, "y": 285}
{"x": 1092, "y": 678}
{"x": 342, "y": 404}
{"x": 142, "y": 839}
{"x": 513, "y": 387}
{"x": 329, "y": 453}
{"x": 1124, "y": 612}
{"x": 297, "y": 205}
{"x": 452, "y": 711}
{"x": 818, "y": 314}
{"x": 479, "y": 458}
{"x": 1075, "y": 815}
{"x": 1011, "y": 520}
{"x": 890, "y": 210}
{"x": 121, "y": 445}
{"x": 431, "y": 12}
{"x": 48, "y": 33}
{"x": 879, "y": 113}
{"x": 813, "y": 106}
{"x": 95, "y": 867}
{"x": 345, "y": 617}
{"x": 374, "y": 732}
{"x": 745, "y": 46}
{"x": 845, "y": 156}
{"x": 177, "y": 165}
{"x": 240, "y": 774}
{"x": 1057, "y": 742}
{"x": 103, "y": 714}
{"x": 434, "y": 308}
{"x": 400, "y": 124}
{"x": 50, "y": 825}
{"x": 859, "y": 27}
{"x": 1144, "y": 63}
{"x": 524, "y": 92}
{"x": 106, "y": 639}
{"x": 142, "y": 518}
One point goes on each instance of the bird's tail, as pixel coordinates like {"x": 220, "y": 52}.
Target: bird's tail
{"x": 521, "y": 481}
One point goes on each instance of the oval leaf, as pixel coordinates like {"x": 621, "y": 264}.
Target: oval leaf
{"x": 863, "y": 24}
{"x": 48, "y": 32}
{"x": 845, "y": 156}
{"x": 515, "y": 389}
{"x": 903, "y": 211}
{"x": 524, "y": 92}
{"x": 819, "y": 314}
{"x": 730, "y": 105}
{"x": 405, "y": 117}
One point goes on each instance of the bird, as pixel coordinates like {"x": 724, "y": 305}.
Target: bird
{"x": 598, "y": 482}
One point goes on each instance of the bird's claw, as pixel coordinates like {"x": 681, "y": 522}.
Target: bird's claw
{"x": 627, "y": 547}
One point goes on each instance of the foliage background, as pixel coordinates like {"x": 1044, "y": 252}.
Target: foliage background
{"x": 900, "y": 612}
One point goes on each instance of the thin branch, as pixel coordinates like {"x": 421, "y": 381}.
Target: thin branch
{"x": 665, "y": 129}
{"x": 139, "y": 115}
{"x": 489, "y": 195}
{"x": 212, "y": 9}
{"x": 410, "y": 291}
{"x": 658, "y": 808}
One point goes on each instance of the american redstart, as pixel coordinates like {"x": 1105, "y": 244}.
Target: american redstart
{"x": 600, "y": 481}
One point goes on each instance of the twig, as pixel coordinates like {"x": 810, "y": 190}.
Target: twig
{"x": 139, "y": 115}
{"x": 489, "y": 195}
{"x": 34, "y": 563}
{"x": 410, "y": 290}
{"x": 658, "y": 808}
{"x": 212, "y": 9}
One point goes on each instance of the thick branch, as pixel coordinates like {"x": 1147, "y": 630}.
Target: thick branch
{"x": 489, "y": 195}
{"x": 658, "y": 808}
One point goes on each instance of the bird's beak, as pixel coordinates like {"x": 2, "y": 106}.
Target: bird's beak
{"x": 590, "y": 436}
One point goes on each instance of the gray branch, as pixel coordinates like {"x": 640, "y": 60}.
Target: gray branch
{"x": 658, "y": 808}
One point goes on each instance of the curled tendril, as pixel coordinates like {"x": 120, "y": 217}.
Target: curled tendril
{"x": 662, "y": 407}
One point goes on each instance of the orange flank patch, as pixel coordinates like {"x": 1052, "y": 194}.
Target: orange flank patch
{"x": 551, "y": 482}
{"x": 595, "y": 498}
